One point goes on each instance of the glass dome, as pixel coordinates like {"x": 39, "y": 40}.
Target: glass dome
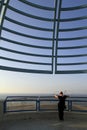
{"x": 47, "y": 36}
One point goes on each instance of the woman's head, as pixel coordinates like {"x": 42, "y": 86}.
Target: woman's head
{"x": 61, "y": 93}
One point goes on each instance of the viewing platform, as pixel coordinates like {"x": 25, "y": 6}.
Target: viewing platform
{"x": 18, "y": 113}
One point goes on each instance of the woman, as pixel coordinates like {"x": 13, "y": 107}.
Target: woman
{"x": 61, "y": 104}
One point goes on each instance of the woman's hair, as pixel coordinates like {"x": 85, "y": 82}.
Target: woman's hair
{"x": 61, "y": 92}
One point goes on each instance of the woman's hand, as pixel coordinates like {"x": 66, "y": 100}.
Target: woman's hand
{"x": 55, "y": 96}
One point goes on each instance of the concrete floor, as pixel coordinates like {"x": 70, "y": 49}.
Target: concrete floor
{"x": 73, "y": 121}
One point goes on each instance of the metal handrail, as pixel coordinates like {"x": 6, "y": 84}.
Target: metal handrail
{"x": 38, "y": 100}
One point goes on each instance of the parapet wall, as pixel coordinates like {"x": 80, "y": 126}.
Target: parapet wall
{"x": 25, "y": 115}
{"x": 1, "y": 110}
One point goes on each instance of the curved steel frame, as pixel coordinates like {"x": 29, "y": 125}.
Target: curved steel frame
{"x": 53, "y": 58}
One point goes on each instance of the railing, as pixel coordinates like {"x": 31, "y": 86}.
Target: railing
{"x": 34, "y": 103}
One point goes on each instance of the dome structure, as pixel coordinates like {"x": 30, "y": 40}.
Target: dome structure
{"x": 47, "y": 36}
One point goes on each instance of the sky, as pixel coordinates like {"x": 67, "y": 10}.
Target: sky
{"x": 33, "y": 83}
{"x": 14, "y": 82}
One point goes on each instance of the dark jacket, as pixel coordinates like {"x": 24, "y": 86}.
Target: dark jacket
{"x": 61, "y": 103}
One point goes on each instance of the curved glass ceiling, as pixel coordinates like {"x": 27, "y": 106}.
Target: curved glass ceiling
{"x": 47, "y": 36}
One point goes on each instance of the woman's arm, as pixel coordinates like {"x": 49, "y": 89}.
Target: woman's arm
{"x": 56, "y": 96}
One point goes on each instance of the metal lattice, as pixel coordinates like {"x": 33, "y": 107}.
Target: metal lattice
{"x": 37, "y": 38}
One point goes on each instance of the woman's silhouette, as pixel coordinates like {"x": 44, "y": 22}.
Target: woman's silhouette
{"x": 61, "y": 104}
